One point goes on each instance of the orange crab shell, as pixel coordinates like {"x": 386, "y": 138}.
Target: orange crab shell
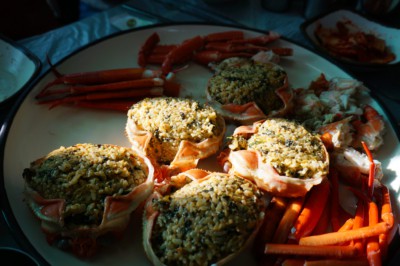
{"x": 249, "y": 164}
{"x": 250, "y": 112}
{"x": 116, "y": 216}
{"x": 150, "y": 214}
{"x": 188, "y": 154}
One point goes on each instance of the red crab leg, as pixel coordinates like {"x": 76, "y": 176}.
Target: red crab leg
{"x": 333, "y": 177}
{"x": 131, "y": 84}
{"x": 273, "y": 215}
{"x": 324, "y": 221}
{"x": 184, "y": 50}
{"x": 205, "y": 57}
{"x": 147, "y": 48}
{"x": 157, "y": 91}
{"x": 224, "y": 36}
{"x": 164, "y": 49}
{"x": 102, "y": 76}
{"x": 233, "y": 47}
{"x": 122, "y": 106}
{"x": 260, "y": 40}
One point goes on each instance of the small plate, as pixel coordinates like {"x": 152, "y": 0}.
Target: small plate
{"x": 390, "y": 35}
{"x": 18, "y": 67}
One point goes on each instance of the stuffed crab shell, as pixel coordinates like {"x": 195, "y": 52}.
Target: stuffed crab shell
{"x": 174, "y": 131}
{"x": 207, "y": 221}
{"x": 280, "y": 156}
{"x": 83, "y": 192}
{"x": 245, "y": 90}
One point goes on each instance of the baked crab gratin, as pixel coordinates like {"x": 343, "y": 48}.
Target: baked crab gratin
{"x": 279, "y": 155}
{"x": 86, "y": 191}
{"x": 205, "y": 218}
{"x": 176, "y": 132}
{"x": 244, "y": 90}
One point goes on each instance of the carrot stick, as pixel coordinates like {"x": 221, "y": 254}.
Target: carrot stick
{"x": 312, "y": 210}
{"x": 373, "y": 251}
{"x": 358, "y": 223}
{"x": 327, "y": 251}
{"x": 340, "y": 237}
{"x": 348, "y": 225}
{"x": 292, "y": 212}
{"x": 273, "y": 215}
{"x": 386, "y": 209}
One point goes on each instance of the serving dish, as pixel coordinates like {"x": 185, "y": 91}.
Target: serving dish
{"x": 18, "y": 67}
{"x": 390, "y": 35}
{"x": 28, "y": 137}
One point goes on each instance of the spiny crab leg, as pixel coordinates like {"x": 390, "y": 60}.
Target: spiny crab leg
{"x": 123, "y": 94}
{"x": 101, "y": 77}
{"x": 130, "y": 84}
{"x": 224, "y": 36}
{"x": 260, "y": 40}
{"x": 147, "y": 48}
{"x": 234, "y": 47}
{"x": 205, "y": 57}
{"x": 184, "y": 50}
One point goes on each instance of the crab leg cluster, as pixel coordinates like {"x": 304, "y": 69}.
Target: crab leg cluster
{"x": 115, "y": 89}
{"x": 206, "y": 49}
{"x": 322, "y": 233}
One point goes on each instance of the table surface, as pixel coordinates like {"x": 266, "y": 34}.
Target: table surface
{"x": 59, "y": 43}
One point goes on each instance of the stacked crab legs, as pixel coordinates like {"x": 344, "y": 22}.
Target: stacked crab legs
{"x": 115, "y": 89}
{"x": 118, "y": 89}
{"x": 211, "y": 48}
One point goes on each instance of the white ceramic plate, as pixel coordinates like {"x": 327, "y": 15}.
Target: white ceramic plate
{"x": 18, "y": 66}
{"x": 389, "y": 34}
{"x": 35, "y": 131}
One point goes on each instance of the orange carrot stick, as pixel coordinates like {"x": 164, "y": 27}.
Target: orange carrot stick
{"x": 386, "y": 209}
{"x": 373, "y": 251}
{"x": 340, "y": 237}
{"x": 327, "y": 251}
{"x": 289, "y": 217}
{"x": 358, "y": 223}
{"x": 348, "y": 225}
{"x": 312, "y": 210}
